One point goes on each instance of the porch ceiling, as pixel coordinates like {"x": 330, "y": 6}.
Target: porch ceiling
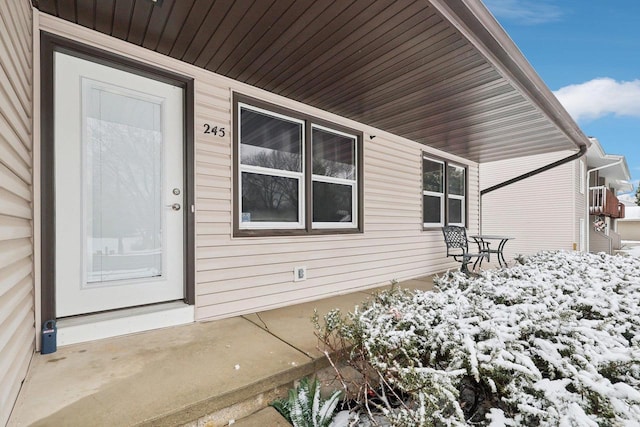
{"x": 442, "y": 73}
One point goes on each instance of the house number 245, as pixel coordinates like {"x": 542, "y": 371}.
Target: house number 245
{"x": 214, "y": 130}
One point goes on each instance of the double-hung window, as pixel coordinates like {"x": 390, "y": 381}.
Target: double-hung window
{"x": 271, "y": 169}
{"x": 334, "y": 178}
{"x": 456, "y": 210}
{"x": 295, "y": 174}
{"x": 443, "y": 193}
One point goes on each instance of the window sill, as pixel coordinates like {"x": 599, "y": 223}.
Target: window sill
{"x": 295, "y": 232}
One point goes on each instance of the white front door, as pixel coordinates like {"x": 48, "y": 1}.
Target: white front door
{"x": 118, "y": 168}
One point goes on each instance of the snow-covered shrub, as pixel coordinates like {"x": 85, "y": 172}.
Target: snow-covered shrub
{"x": 554, "y": 341}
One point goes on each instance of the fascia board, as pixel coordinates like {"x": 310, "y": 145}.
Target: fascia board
{"x": 480, "y": 28}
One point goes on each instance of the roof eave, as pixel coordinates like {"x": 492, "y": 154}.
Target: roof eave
{"x": 482, "y": 30}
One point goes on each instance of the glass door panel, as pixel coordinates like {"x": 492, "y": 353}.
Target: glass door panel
{"x": 123, "y": 176}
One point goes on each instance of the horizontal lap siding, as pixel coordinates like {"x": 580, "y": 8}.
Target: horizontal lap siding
{"x": 16, "y": 249}
{"x": 598, "y": 242}
{"x": 240, "y": 275}
{"x": 629, "y": 230}
{"x": 539, "y": 211}
{"x": 243, "y": 275}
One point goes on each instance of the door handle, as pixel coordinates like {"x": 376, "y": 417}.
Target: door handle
{"x": 175, "y": 206}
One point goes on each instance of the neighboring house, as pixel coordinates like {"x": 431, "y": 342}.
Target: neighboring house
{"x": 177, "y": 161}
{"x": 629, "y": 226}
{"x": 607, "y": 175}
{"x": 539, "y": 212}
{"x": 556, "y": 209}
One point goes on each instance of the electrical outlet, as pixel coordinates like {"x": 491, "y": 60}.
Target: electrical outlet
{"x": 299, "y": 274}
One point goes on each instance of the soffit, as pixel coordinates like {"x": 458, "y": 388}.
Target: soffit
{"x": 399, "y": 66}
{"x": 617, "y": 171}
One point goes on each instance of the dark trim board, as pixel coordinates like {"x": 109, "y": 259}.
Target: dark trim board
{"x": 50, "y": 43}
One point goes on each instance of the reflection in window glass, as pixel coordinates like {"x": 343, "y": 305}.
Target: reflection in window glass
{"x": 267, "y": 198}
{"x": 270, "y": 142}
{"x": 432, "y": 176}
{"x": 432, "y": 211}
{"x": 332, "y": 202}
{"x": 333, "y": 154}
{"x": 455, "y": 211}
{"x": 294, "y": 174}
{"x": 455, "y": 180}
{"x": 123, "y": 145}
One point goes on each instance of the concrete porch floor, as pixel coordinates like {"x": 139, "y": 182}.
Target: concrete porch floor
{"x": 181, "y": 375}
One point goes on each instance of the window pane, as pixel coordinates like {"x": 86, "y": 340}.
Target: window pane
{"x": 431, "y": 209}
{"x": 333, "y": 154}
{"x": 432, "y": 173}
{"x": 332, "y": 202}
{"x": 123, "y": 185}
{"x": 455, "y": 211}
{"x": 270, "y": 142}
{"x": 455, "y": 179}
{"x": 267, "y": 198}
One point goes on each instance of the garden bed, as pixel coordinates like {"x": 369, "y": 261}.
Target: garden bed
{"x": 554, "y": 340}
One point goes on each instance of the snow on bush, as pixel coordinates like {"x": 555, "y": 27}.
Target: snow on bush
{"x": 553, "y": 341}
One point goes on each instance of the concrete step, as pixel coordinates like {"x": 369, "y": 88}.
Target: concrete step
{"x": 245, "y": 405}
{"x": 205, "y": 373}
{"x": 267, "y": 417}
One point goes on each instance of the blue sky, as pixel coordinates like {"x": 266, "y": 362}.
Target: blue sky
{"x": 588, "y": 53}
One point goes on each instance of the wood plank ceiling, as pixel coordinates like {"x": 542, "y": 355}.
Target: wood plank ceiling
{"x": 395, "y": 65}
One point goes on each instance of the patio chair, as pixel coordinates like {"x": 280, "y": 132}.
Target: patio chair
{"x": 458, "y": 247}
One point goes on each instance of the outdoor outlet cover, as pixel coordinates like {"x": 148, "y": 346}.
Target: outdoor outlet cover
{"x": 299, "y": 274}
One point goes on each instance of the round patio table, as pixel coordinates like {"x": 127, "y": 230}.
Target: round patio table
{"x": 482, "y": 240}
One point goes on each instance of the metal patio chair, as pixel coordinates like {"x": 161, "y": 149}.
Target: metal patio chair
{"x": 458, "y": 247}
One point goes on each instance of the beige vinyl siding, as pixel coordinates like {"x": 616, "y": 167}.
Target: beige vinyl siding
{"x": 16, "y": 273}
{"x": 240, "y": 275}
{"x": 598, "y": 242}
{"x": 539, "y": 211}
{"x": 245, "y": 274}
{"x": 629, "y": 230}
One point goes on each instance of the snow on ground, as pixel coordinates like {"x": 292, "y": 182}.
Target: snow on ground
{"x": 552, "y": 341}
{"x": 631, "y": 247}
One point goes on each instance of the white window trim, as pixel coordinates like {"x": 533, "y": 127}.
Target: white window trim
{"x": 264, "y": 225}
{"x": 354, "y": 202}
{"x": 305, "y": 224}
{"x": 331, "y": 130}
{"x": 445, "y": 196}
{"x": 242, "y": 105}
{"x": 463, "y": 207}
{"x": 261, "y": 225}
{"x": 435, "y": 193}
{"x": 441, "y": 196}
{"x": 461, "y": 197}
{"x": 342, "y": 181}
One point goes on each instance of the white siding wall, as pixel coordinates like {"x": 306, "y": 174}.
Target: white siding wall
{"x": 629, "y": 230}
{"x": 16, "y": 279}
{"x": 599, "y": 242}
{"x": 242, "y": 275}
{"x": 541, "y": 212}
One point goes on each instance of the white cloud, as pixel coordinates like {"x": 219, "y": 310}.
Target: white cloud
{"x": 629, "y": 199}
{"x": 600, "y": 97}
{"x": 526, "y": 12}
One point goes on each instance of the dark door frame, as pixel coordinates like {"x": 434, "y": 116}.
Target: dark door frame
{"x": 49, "y": 44}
